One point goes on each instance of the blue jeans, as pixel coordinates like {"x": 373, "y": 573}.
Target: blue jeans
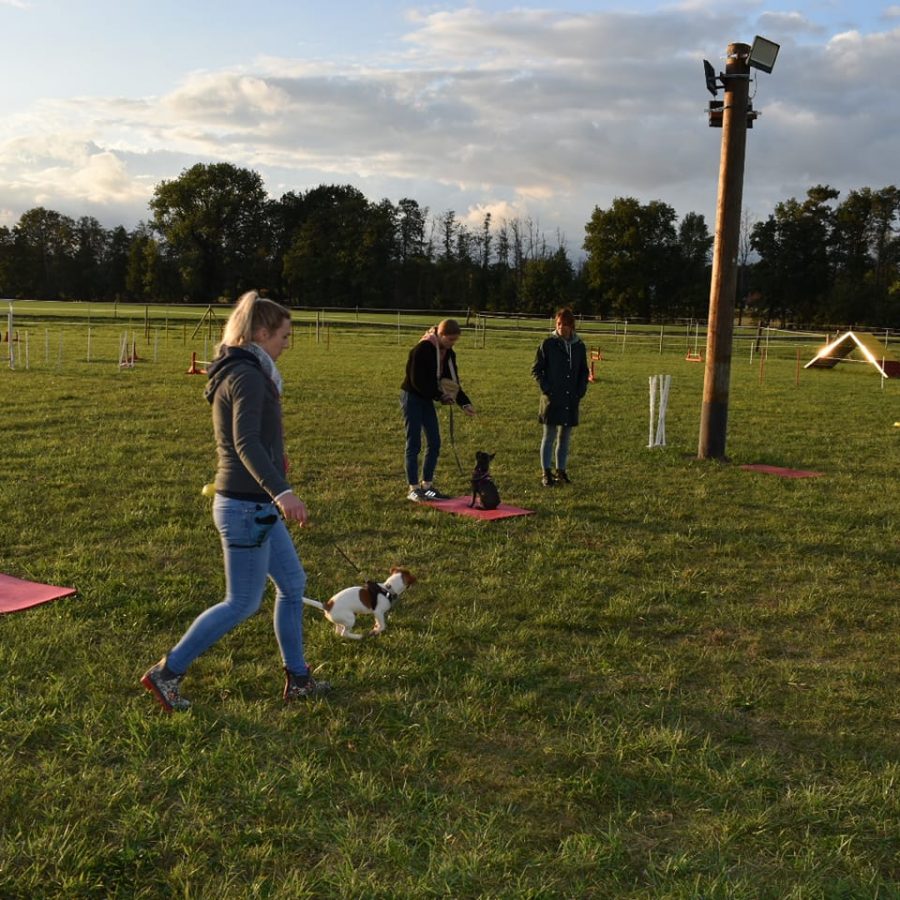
{"x": 420, "y": 414}
{"x": 561, "y": 435}
{"x": 257, "y": 546}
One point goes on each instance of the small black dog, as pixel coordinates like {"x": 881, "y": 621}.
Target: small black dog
{"x": 483, "y": 486}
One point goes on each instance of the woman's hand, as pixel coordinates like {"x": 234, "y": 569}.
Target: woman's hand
{"x": 469, "y": 410}
{"x": 293, "y": 508}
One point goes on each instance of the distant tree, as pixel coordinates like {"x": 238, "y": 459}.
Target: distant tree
{"x": 867, "y": 252}
{"x": 503, "y": 248}
{"x": 115, "y": 263}
{"x": 630, "y": 249}
{"x": 796, "y": 259}
{"x": 484, "y": 242}
{"x": 6, "y": 260}
{"x": 547, "y": 283}
{"x": 744, "y": 264}
{"x": 342, "y": 251}
{"x": 413, "y": 270}
{"x": 43, "y": 251}
{"x": 690, "y": 279}
{"x": 90, "y": 248}
{"x": 411, "y": 219}
{"x": 150, "y": 275}
{"x": 214, "y": 220}
{"x": 448, "y": 228}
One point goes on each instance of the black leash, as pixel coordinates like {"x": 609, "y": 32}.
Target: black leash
{"x": 453, "y": 444}
{"x": 337, "y": 547}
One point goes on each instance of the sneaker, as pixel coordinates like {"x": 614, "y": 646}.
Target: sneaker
{"x": 563, "y": 476}
{"x": 417, "y": 495}
{"x": 547, "y": 479}
{"x": 432, "y": 493}
{"x": 166, "y": 687}
{"x": 303, "y": 687}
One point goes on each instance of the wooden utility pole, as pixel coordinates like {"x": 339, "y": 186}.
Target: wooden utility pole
{"x": 720, "y": 328}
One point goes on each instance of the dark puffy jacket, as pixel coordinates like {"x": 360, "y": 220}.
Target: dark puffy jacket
{"x": 421, "y": 373}
{"x": 561, "y": 371}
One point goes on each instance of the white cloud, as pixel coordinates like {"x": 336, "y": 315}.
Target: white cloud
{"x": 530, "y": 113}
{"x": 788, "y": 23}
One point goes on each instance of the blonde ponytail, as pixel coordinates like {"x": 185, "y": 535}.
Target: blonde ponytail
{"x": 251, "y": 313}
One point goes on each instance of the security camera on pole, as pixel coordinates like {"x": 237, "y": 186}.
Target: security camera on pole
{"x": 734, "y": 115}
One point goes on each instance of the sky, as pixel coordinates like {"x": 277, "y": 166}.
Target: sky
{"x": 538, "y": 111}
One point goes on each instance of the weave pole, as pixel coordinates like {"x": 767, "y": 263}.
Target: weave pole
{"x": 659, "y": 388}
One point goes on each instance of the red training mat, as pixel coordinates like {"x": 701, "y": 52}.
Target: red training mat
{"x": 781, "y": 471}
{"x": 460, "y": 506}
{"x": 16, "y": 594}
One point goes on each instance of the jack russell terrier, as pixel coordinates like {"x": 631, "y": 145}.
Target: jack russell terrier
{"x": 374, "y": 598}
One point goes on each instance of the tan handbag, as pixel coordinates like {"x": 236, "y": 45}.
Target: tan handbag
{"x": 449, "y": 388}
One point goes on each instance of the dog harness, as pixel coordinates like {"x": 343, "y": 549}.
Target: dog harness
{"x": 373, "y": 588}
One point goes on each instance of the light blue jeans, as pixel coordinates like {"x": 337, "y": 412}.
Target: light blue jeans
{"x": 561, "y": 435}
{"x": 257, "y": 546}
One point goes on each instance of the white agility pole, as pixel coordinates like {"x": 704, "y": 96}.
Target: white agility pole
{"x": 665, "y": 384}
{"x": 659, "y": 387}
{"x": 125, "y": 360}
{"x": 27, "y": 357}
{"x": 9, "y": 337}
{"x": 89, "y": 344}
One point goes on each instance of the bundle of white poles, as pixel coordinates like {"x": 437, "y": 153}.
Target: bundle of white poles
{"x": 659, "y": 387}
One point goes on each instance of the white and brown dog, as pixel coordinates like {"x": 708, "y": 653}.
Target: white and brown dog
{"x": 374, "y": 598}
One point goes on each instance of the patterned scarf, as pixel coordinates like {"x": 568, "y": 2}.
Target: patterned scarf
{"x": 268, "y": 365}
{"x": 432, "y": 337}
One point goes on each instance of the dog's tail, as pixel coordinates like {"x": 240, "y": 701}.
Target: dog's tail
{"x": 314, "y": 603}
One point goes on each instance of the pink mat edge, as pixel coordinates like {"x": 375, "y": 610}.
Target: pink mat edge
{"x": 460, "y": 506}
{"x": 26, "y": 594}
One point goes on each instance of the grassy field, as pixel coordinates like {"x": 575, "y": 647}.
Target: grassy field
{"x": 676, "y": 679}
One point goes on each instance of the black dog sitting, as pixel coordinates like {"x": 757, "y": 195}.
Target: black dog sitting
{"x": 483, "y": 486}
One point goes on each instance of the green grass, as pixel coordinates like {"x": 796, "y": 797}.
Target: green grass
{"x": 677, "y": 679}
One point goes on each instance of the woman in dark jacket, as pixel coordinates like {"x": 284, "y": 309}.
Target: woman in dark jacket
{"x": 430, "y": 376}
{"x": 561, "y": 371}
{"x": 253, "y": 500}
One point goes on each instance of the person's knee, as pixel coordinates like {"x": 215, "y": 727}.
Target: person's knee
{"x": 243, "y": 606}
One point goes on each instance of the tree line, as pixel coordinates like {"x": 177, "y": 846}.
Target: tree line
{"x": 213, "y": 232}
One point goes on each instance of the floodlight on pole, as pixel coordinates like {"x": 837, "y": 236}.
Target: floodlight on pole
{"x": 763, "y": 54}
{"x": 710, "y": 74}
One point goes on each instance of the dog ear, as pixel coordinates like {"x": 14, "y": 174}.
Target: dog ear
{"x": 408, "y": 577}
{"x": 491, "y": 455}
